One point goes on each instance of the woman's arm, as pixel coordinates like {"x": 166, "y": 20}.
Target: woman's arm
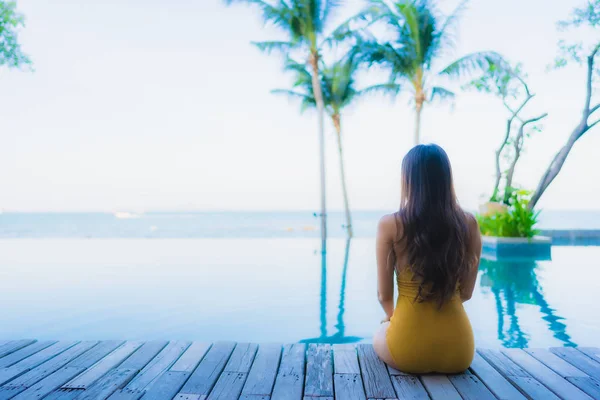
{"x": 386, "y": 232}
{"x": 468, "y": 283}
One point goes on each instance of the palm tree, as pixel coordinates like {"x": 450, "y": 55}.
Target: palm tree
{"x": 419, "y": 36}
{"x": 338, "y": 83}
{"x": 304, "y": 23}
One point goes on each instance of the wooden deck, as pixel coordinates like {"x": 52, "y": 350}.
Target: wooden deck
{"x": 224, "y": 370}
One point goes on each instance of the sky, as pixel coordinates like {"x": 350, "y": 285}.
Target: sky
{"x": 148, "y": 105}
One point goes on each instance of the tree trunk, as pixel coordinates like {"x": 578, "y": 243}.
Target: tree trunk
{"x": 338, "y": 130}
{"x": 511, "y": 171}
{"x": 556, "y": 165}
{"x": 420, "y": 98}
{"x": 316, "y": 83}
{"x": 509, "y": 122}
{"x": 498, "y": 168}
{"x": 583, "y": 126}
{"x": 418, "y": 109}
{"x": 519, "y": 142}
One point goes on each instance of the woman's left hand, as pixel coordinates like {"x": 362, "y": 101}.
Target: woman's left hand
{"x": 386, "y": 319}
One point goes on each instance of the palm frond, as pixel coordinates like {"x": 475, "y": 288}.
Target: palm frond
{"x": 278, "y": 46}
{"x": 303, "y": 77}
{"x": 293, "y": 94}
{"x": 409, "y": 13}
{"x": 446, "y": 34}
{"x": 328, "y": 9}
{"x": 442, "y": 95}
{"x": 280, "y": 16}
{"x": 399, "y": 60}
{"x": 475, "y": 62}
{"x": 387, "y": 89}
{"x": 306, "y": 101}
{"x": 347, "y": 30}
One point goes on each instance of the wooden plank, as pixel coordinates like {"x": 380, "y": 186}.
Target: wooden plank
{"x": 190, "y": 359}
{"x": 254, "y": 397}
{"x": 394, "y": 371}
{"x": 143, "y": 355}
{"x": 184, "y": 396}
{"x": 49, "y": 384}
{"x": 24, "y": 352}
{"x": 44, "y": 355}
{"x": 374, "y": 373}
{"x": 38, "y": 373}
{"x": 470, "y": 387}
{"x": 578, "y": 359}
{"x": 345, "y": 359}
{"x": 349, "y": 386}
{"x": 157, "y": 366}
{"x": 206, "y": 374}
{"x": 241, "y": 358}
{"x": 497, "y": 383}
{"x": 319, "y": 371}
{"x": 95, "y": 354}
{"x": 108, "y": 384}
{"x": 555, "y": 363}
{"x": 261, "y": 377}
{"x": 10, "y": 373}
{"x": 318, "y": 398}
{"x": 545, "y": 375}
{"x": 14, "y": 345}
{"x": 230, "y": 383}
{"x": 98, "y": 370}
{"x": 409, "y": 387}
{"x": 61, "y": 394}
{"x": 591, "y": 352}
{"x": 588, "y": 384}
{"x": 440, "y": 387}
{"x": 229, "y": 386}
{"x": 290, "y": 377}
{"x": 502, "y": 363}
{"x": 167, "y": 386}
{"x": 517, "y": 375}
{"x": 534, "y": 389}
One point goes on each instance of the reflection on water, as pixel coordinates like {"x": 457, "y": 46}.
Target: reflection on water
{"x": 269, "y": 290}
{"x": 513, "y": 283}
{"x": 340, "y": 334}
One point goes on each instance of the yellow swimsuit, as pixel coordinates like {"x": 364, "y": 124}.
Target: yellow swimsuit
{"x": 424, "y": 338}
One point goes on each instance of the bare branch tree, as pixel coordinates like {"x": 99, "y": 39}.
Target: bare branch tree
{"x": 518, "y": 146}
{"x": 582, "y": 126}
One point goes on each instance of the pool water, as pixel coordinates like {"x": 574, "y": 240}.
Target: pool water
{"x": 269, "y": 290}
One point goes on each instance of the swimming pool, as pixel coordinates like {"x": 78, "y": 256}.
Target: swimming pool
{"x": 265, "y": 290}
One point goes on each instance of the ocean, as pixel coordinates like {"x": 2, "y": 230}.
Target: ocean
{"x": 289, "y": 224}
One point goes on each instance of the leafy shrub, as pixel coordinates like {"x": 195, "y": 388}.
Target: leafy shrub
{"x": 517, "y": 221}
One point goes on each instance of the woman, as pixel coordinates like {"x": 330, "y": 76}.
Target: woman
{"x": 433, "y": 247}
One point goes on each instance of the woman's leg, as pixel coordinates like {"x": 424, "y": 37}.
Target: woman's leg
{"x": 381, "y": 347}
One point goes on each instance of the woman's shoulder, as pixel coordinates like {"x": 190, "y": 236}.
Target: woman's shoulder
{"x": 471, "y": 221}
{"x": 388, "y": 225}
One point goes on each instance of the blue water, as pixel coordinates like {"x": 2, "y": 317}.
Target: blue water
{"x": 261, "y": 277}
{"x": 223, "y": 224}
{"x": 269, "y": 290}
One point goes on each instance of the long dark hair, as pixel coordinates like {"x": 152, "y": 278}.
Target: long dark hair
{"x": 434, "y": 229}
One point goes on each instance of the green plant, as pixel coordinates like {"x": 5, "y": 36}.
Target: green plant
{"x": 517, "y": 221}
{"x": 10, "y": 23}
